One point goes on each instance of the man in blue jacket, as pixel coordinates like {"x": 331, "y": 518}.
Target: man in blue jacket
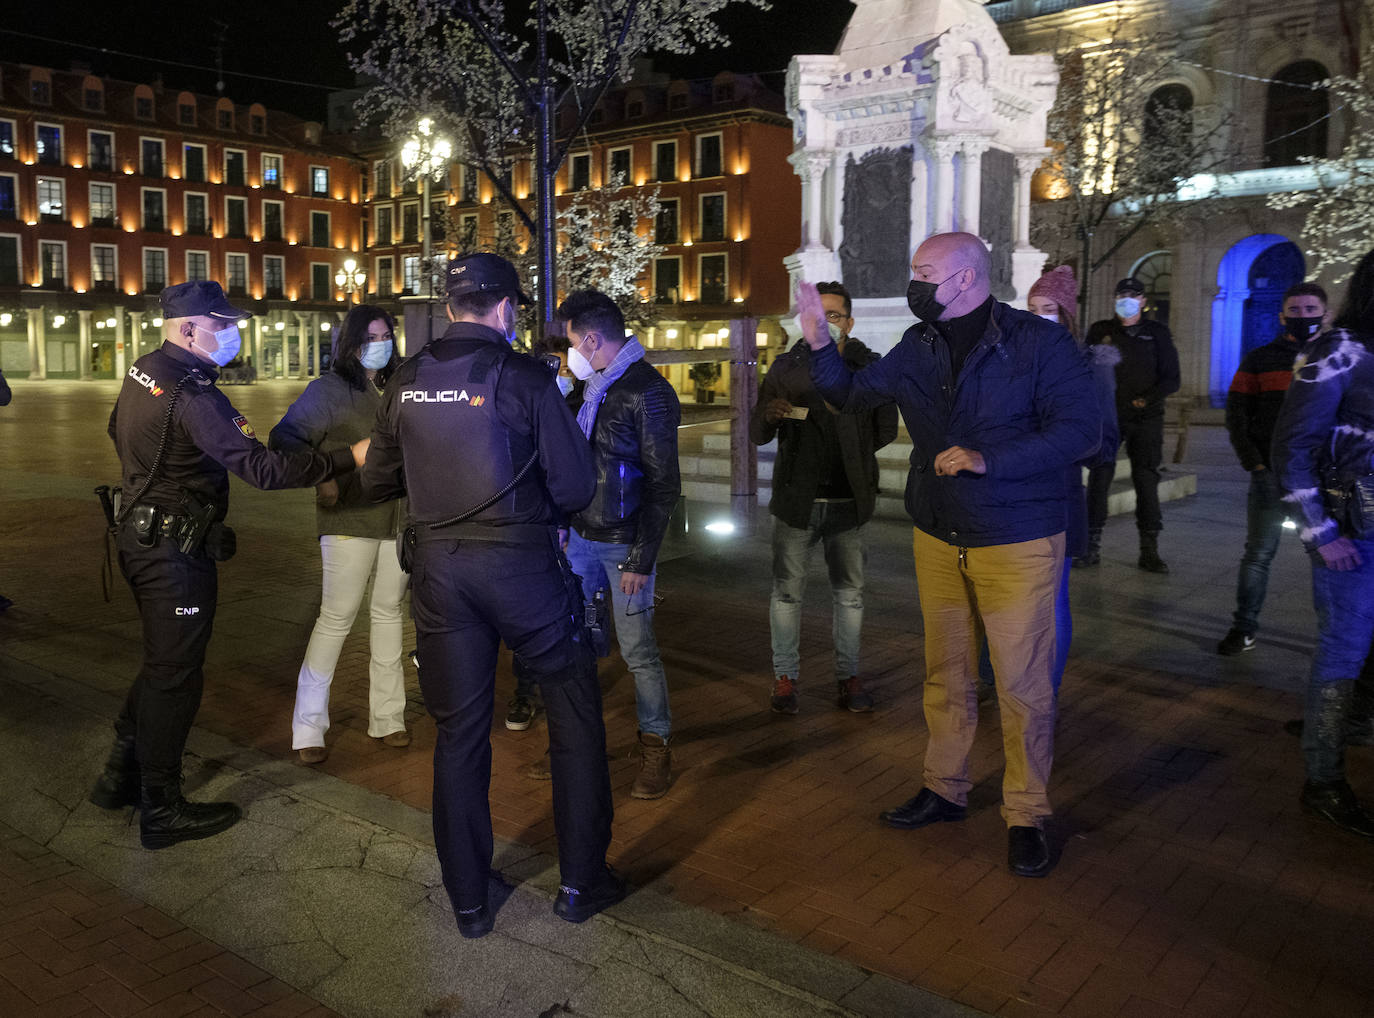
{"x": 998, "y": 403}
{"x": 1323, "y": 454}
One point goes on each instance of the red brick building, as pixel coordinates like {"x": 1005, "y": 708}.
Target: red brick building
{"x": 715, "y": 150}
{"x": 111, "y": 190}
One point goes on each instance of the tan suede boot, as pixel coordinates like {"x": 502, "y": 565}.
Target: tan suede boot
{"x": 655, "y": 768}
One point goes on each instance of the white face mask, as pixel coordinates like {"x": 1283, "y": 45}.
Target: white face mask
{"x": 565, "y": 386}
{"x": 1051, "y": 317}
{"x": 579, "y": 365}
{"x": 229, "y": 342}
{"x": 375, "y": 355}
{"x": 1127, "y": 307}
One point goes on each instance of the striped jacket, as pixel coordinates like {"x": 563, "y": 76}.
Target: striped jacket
{"x": 1252, "y": 405}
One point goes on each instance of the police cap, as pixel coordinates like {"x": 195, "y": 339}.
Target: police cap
{"x": 484, "y": 273}
{"x": 1130, "y": 285}
{"x": 199, "y": 298}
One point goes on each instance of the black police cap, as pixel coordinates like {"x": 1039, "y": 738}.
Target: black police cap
{"x": 484, "y": 273}
{"x": 199, "y": 298}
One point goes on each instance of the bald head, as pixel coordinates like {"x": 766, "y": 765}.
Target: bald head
{"x": 959, "y": 265}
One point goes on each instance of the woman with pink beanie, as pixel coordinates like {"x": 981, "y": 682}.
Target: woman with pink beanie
{"x": 1055, "y": 296}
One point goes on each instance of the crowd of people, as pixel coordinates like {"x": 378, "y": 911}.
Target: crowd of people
{"x": 523, "y": 500}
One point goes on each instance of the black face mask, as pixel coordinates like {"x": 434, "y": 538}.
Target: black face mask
{"x": 920, "y": 297}
{"x": 1302, "y": 329}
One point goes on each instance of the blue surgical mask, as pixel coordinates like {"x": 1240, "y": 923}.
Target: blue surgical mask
{"x": 1127, "y": 307}
{"x": 376, "y": 355}
{"x": 565, "y": 386}
{"x": 1051, "y": 317}
{"x": 230, "y": 342}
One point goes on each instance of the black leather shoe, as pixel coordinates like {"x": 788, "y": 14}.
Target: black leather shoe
{"x": 475, "y": 922}
{"x": 578, "y": 905}
{"x": 164, "y": 817}
{"x": 1337, "y": 803}
{"x": 926, "y": 808}
{"x": 119, "y": 785}
{"x": 1028, "y": 853}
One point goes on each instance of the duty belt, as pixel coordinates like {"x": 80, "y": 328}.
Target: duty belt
{"x": 512, "y": 533}
{"x": 164, "y": 523}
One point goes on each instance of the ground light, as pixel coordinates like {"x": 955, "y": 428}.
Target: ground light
{"x": 721, "y": 528}
{"x": 1289, "y": 525}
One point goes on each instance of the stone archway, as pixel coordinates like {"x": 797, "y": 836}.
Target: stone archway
{"x": 1250, "y": 282}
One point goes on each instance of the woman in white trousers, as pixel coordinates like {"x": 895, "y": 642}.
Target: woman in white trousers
{"x": 357, "y": 538}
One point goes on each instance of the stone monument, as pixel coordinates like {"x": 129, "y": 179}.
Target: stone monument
{"x": 922, "y": 122}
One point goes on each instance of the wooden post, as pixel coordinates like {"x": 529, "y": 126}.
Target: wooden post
{"x": 744, "y": 460}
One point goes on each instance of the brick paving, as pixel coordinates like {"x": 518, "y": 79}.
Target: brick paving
{"x": 72, "y": 945}
{"x": 1189, "y": 884}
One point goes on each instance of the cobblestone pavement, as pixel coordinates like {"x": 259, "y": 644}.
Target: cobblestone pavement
{"x": 1189, "y": 881}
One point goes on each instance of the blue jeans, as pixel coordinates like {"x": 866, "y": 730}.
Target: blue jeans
{"x": 836, "y": 527}
{"x": 1063, "y": 636}
{"x": 1264, "y": 513}
{"x": 597, "y": 564}
{"x": 1345, "y": 617}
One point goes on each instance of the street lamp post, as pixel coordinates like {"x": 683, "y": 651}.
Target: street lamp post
{"x": 426, "y": 155}
{"x": 351, "y": 279}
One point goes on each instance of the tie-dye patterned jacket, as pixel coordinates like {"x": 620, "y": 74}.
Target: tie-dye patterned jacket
{"x": 1325, "y": 428}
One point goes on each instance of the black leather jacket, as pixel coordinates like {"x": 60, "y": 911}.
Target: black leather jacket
{"x": 801, "y": 444}
{"x": 634, "y": 444}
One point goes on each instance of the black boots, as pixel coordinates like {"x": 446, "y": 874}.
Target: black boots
{"x": 166, "y": 818}
{"x": 1149, "y": 553}
{"x": 1323, "y": 748}
{"x": 1093, "y": 556}
{"x": 119, "y": 785}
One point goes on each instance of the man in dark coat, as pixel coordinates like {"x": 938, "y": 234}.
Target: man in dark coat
{"x": 825, "y": 486}
{"x": 1147, "y": 374}
{"x": 998, "y": 403}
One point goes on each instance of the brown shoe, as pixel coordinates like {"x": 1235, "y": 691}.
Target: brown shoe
{"x": 539, "y": 770}
{"x": 314, "y": 754}
{"x": 655, "y": 768}
{"x": 397, "y": 740}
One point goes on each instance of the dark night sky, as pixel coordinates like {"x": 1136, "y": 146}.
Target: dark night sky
{"x": 292, "y": 39}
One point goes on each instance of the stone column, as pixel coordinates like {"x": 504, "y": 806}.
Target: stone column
{"x": 302, "y": 345}
{"x": 942, "y": 221}
{"x": 257, "y": 347}
{"x": 120, "y": 338}
{"x": 1026, "y": 165}
{"x": 41, "y": 314}
{"x": 816, "y": 164}
{"x": 810, "y": 166}
{"x": 971, "y": 184}
{"x": 315, "y": 341}
{"x": 135, "y": 341}
{"x": 83, "y": 332}
{"x": 31, "y": 327}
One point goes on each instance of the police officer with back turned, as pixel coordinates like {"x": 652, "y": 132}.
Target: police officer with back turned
{"x": 481, "y": 441}
{"x": 177, "y": 436}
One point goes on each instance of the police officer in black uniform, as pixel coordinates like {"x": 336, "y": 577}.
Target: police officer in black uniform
{"x": 479, "y": 439}
{"x": 177, "y": 437}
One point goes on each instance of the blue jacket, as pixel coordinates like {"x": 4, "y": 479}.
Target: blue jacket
{"x": 1325, "y": 429}
{"x": 1024, "y": 400}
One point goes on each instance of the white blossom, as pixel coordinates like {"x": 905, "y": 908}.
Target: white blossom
{"x": 1339, "y": 230}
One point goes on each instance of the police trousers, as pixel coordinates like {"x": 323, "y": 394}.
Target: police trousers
{"x": 466, "y": 597}
{"x": 176, "y": 595}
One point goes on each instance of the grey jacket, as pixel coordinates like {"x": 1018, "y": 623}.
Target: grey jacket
{"x": 331, "y": 414}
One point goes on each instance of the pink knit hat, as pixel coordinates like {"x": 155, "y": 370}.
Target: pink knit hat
{"x": 1060, "y": 286}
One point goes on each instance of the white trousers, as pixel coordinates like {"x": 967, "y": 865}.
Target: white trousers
{"x": 348, "y": 564}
